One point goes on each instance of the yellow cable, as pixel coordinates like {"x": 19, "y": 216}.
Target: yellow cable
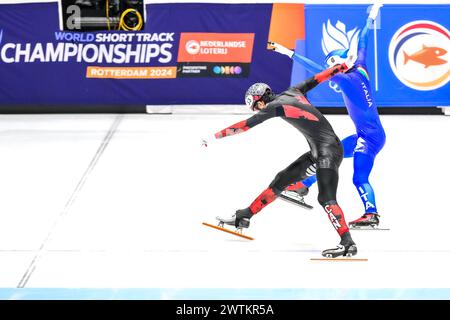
{"x": 124, "y": 26}
{"x": 107, "y": 14}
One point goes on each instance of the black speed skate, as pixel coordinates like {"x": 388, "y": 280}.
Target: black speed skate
{"x": 240, "y": 220}
{"x": 348, "y": 250}
{"x": 369, "y": 220}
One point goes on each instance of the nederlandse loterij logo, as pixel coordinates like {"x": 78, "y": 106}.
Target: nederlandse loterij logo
{"x": 192, "y": 47}
{"x": 419, "y": 55}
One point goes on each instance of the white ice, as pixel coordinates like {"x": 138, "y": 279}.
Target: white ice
{"x": 118, "y": 201}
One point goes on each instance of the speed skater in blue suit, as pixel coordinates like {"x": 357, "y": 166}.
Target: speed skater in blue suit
{"x": 370, "y": 136}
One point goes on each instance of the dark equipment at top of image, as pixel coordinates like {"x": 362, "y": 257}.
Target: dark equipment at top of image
{"x": 92, "y": 15}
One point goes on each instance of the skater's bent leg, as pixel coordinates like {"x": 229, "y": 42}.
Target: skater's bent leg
{"x": 363, "y": 164}
{"x": 281, "y": 181}
{"x": 349, "y": 145}
{"x": 266, "y": 197}
{"x": 327, "y": 180}
{"x": 293, "y": 174}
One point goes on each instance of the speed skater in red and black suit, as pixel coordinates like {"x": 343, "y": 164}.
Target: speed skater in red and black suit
{"x": 324, "y": 158}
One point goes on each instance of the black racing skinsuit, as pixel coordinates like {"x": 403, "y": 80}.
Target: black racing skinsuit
{"x": 326, "y": 150}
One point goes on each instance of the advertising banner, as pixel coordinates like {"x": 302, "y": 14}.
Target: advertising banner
{"x": 205, "y": 53}
{"x": 185, "y": 54}
{"x": 408, "y": 52}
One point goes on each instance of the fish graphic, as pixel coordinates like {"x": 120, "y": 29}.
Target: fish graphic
{"x": 428, "y": 56}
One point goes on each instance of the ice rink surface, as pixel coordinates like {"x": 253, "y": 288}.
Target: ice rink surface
{"x": 114, "y": 205}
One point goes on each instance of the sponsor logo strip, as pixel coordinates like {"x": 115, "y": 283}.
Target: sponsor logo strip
{"x": 216, "y": 47}
{"x": 131, "y": 72}
{"x": 214, "y": 70}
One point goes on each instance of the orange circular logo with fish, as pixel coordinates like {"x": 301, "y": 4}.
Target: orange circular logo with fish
{"x": 419, "y": 54}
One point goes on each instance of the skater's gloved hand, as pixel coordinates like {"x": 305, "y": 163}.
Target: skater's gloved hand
{"x": 374, "y": 11}
{"x": 208, "y": 140}
{"x": 280, "y": 49}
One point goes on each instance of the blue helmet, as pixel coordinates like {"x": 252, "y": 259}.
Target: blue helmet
{"x": 336, "y": 57}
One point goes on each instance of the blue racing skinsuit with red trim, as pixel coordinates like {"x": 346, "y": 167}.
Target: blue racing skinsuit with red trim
{"x": 326, "y": 150}
{"x": 370, "y": 136}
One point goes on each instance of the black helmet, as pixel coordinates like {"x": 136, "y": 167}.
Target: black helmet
{"x": 258, "y": 91}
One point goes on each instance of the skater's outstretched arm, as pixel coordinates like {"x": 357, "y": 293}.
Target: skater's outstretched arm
{"x": 309, "y": 65}
{"x": 320, "y": 77}
{"x": 364, "y": 36}
{"x": 242, "y": 126}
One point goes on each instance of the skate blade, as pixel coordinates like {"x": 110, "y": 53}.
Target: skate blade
{"x": 367, "y": 228}
{"x": 340, "y": 259}
{"x": 228, "y": 231}
{"x": 298, "y": 203}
